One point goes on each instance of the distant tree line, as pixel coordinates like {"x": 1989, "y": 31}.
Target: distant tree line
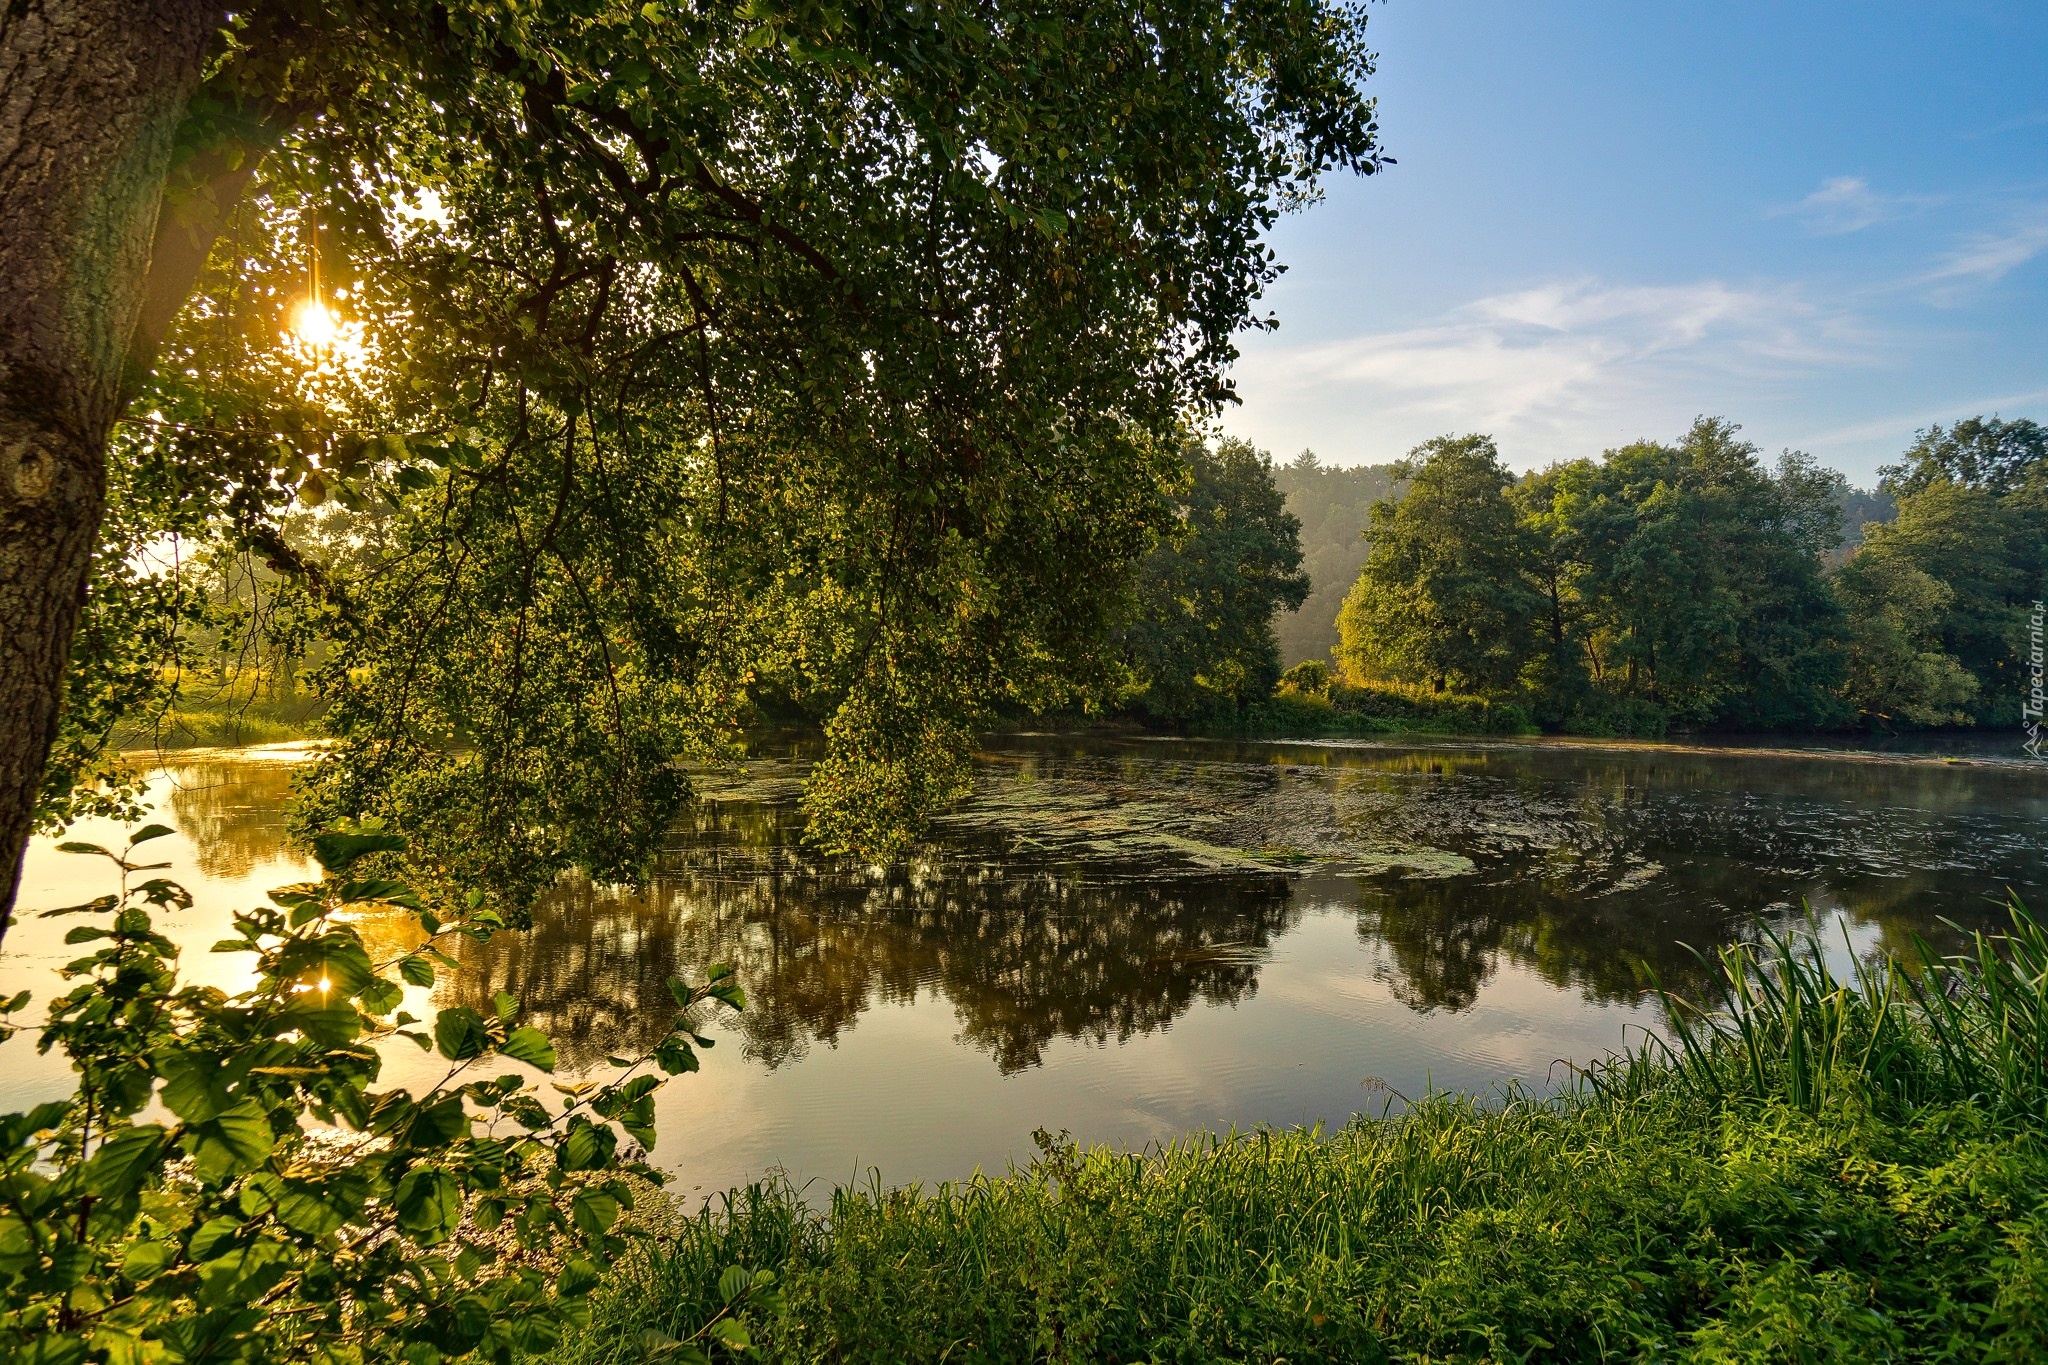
{"x": 1691, "y": 584}
{"x": 1332, "y": 503}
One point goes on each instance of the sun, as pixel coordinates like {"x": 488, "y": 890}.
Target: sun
{"x": 313, "y": 324}
{"x": 323, "y": 339}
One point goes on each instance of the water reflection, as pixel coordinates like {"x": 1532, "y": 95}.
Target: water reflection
{"x": 231, "y": 808}
{"x": 1097, "y": 892}
{"x": 1024, "y": 954}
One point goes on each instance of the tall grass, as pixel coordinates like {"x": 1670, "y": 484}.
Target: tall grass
{"x": 1968, "y": 1027}
{"x": 1806, "y": 1169}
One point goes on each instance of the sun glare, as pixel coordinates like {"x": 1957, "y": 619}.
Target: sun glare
{"x": 327, "y": 343}
{"x": 313, "y": 324}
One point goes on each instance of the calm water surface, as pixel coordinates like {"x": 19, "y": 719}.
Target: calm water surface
{"x": 1135, "y": 939}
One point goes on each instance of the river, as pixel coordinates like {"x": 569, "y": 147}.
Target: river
{"x": 1131, "y": 939}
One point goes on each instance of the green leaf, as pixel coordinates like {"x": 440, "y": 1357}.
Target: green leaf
{"x": 429, "y": 1203}
{"x": 195, "y": 1086}
{"x": 148, "y": 832}
{"x": 123, "y": 1161}
{"x": 733, "y": 1333}
{"x": 146, "y": 1260}
{"x": 528, "y": 1044}
{"x": 579, "y": 1276}
{"x": 438, "y": 1124}
{"x": 215, "y": 1238}
{"x": 381, "y": 997}
{"x": 417, "y": 971}
{"x": 337, "y": 849}
{"x": 460, "y": 1034}
{"x": 304, "y": 1211}
{"x": 52, "y": 1350}
{"x": 245, "y": 1273}
{"x": 594, "y": 1212}
{"x": 236, "y": 1141}
{"x": 325, "y": 1017}
{"x": 342, "y": 965}
{"x": 733, "y": 1283}
{"x": 675, "y": 1056}
{"x": 505, "y": 1005}
{"x": 585, "y": 1147}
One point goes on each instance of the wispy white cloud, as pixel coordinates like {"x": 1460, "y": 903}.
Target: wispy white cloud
{"x": 1894, "y": 424}
{"x": 1985, "y": 256}
{"x": 1841, "y": 205}
{"x": 1560, "y": 368}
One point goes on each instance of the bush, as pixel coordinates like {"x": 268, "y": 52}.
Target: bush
{"x": 179, "y": 1208}
{"x": 1603, "y": 716}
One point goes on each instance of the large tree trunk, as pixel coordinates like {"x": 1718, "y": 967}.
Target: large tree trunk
{"x": 91, "y": 95}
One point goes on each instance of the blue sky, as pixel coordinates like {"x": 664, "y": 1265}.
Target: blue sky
{"x": 1825, "y": 221}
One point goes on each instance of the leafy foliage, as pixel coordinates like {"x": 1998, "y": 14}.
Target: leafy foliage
{"x": 696, "y": 356}
{"x": 181, "y": 1207}
{"x": 1201, "y": 636}
{"x": 1972, "y": 520}
{"x": 1688, "y": 584}
{"x": 1441, "y": 599}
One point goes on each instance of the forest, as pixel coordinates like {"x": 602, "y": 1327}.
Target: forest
{"x": 1684, "y": 585}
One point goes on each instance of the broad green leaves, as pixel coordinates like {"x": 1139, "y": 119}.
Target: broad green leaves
{"x": 265, "y": 1240}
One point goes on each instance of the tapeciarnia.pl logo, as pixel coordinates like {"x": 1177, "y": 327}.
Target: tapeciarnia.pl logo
{"x": 2036, "y": 696}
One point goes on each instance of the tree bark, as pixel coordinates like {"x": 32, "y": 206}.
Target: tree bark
{"x": 91, "y": 96}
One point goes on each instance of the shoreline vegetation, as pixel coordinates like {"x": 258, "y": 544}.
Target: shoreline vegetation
{"x": 1810, "y": 1169}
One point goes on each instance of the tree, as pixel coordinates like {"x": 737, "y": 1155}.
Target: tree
{"x": 1984, "y": 453}
{"x": 1897, "y": 670}
{"x": 1202, "y": 632}
{"x": 1443, "y": 598}
{"x": 1690, "y": 577}
{"x": 701, "y": 348}
{"x": 1973, "y": 517}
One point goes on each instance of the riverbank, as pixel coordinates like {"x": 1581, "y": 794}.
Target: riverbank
{"x": 1851, "y": 1173}
{"x": 229, "y": 715}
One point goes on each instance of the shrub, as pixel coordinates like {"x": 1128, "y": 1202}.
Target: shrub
{"x": 177, "y": 1207}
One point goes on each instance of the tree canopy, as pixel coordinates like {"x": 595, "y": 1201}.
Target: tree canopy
{"x": 688, "y": 353}
{"x": 1442, "y": 599}
{"x": 1200, "y": 635}
{"x": 1689, "y": 583}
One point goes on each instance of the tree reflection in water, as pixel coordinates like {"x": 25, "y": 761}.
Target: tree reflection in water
{"x": 232, "y": 807}
{"x": 1024, "y": 953}
{"x": 1096, "y": 895}
{"x": 1098, "y": 890}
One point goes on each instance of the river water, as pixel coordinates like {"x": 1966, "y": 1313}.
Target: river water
{"x": 1132, "y": 939}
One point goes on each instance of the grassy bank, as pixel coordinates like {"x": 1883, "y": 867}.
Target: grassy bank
{"x": 1337, "y": 709}
{"x": 1818, "y": 1171}
{"x": 243, "y": 708}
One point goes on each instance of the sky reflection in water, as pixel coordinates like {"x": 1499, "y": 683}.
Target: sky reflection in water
{"x": 1133, "y": 939}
